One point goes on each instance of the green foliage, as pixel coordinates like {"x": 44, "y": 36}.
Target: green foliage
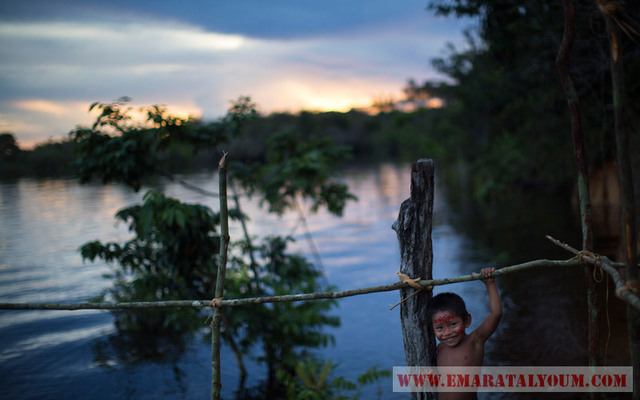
{"x": 502, "y": 169}
{"x": 172, "y": 239}
{"x": 172, "y": 256}
{"x": 173, "y": 253}
{"x": 10, "y": 156}
{"x": 117, "y": 148}
{"x": 508, "y": 116}
{"x": 169, "y": 258}
{"x": 8, "y": 145}
{"x": 51, "y": 158}
{"x": 47, "y": 159}
{"x": 312, "y": 381}
{"x": 280, "y": 327}
{"x": 297, "y": 168}
{"x": 115, "y": 158}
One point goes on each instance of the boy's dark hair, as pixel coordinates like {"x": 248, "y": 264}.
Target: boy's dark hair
{"x": 447, "y": 302}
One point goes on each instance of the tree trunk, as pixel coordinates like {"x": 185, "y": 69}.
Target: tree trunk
{"x": 413, "y": 228}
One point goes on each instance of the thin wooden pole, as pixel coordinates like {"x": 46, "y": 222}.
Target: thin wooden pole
{"x": 290, "y": 297}
{"x": 216, "y": 384}
{"x": 562, "y": 64}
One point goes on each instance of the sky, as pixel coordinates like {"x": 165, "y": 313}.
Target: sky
{"x": 195, "y": 57}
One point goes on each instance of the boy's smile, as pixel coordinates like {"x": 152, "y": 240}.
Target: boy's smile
{"x": 449, "y": 327}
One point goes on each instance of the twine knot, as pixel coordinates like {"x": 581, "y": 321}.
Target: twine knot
{"x": 586, "y": 253}
{"x": 598, "y": 273}
{"x": 217, "y": 302}
{"x": 412, "y": 282}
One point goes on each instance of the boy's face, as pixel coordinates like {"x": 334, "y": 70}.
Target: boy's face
{"x": 449, "y": 327}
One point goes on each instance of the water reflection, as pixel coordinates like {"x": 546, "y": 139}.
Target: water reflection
{"x": 45, "y": 353}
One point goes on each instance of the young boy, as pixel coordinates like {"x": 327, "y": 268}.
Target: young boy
{"x": 450, "y": 320}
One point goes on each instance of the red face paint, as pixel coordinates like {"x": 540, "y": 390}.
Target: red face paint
{"x": 443, "y": 318}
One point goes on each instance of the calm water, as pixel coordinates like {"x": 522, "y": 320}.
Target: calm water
{"x": 53, "y": 354}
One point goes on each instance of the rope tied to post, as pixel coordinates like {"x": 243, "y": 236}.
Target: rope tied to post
{"x": 217, "y": 302}
{"x": 412, "y": 282}
{"x": 582, "y": 256}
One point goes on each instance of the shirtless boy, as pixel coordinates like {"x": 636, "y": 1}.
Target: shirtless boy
{"x": 450, "y": 320}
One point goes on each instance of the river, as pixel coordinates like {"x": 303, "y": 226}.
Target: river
{"x": 55, "y": 354}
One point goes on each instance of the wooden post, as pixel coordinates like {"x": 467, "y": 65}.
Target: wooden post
{"x": 413, "y": 228}
{"x": 625, "y": 173}
{"x": 562, "y": 64}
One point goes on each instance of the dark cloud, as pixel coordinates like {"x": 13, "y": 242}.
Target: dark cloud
{"x": 274, "y": 19}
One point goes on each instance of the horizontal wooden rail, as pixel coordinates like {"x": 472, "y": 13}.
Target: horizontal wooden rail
{"x": 622, "y": 290}
{"x": 284, "y": 298}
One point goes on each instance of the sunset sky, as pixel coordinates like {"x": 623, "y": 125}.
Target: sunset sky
{"x": 59, "y": 56}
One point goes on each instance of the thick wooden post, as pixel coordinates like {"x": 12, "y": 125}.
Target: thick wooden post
{"x": 413, "y": 228}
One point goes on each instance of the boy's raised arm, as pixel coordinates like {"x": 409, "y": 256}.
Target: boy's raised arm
{"x": 490, "y": 323}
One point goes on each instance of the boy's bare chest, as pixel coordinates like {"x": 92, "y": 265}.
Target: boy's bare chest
{"x": 467, "y": 353}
